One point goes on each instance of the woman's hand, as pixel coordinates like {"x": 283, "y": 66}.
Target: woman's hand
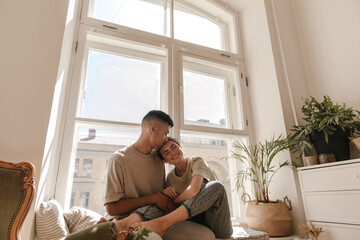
{"x": 170, "y": 192}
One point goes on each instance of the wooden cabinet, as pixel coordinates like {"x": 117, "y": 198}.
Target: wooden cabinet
{"x": 331, "y": 196}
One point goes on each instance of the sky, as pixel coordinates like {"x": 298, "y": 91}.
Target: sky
{"x": 124, "y": 89}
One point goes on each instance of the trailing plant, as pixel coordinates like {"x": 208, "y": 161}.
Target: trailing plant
{"x": 325, "y": 117}
{"x": 258, "y": 165}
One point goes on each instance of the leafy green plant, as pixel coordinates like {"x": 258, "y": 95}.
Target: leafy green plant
{"x": 325, "y": 117}
{"x": 141, "y": 234}
{"x": 258, "y": 164}
{"x": 300, "y": 141}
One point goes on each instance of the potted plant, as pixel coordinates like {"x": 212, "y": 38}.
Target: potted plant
{"x": 300, "y": 143}
{"x": 327, "y": 128}
{"x": 259, "y": 168}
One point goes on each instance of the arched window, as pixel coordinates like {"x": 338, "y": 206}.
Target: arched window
{"x": 200, "y": 22}
{"x": 133, "y": 56}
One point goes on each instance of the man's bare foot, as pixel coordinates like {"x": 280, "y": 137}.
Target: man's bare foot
{"x": 152, "y": 225}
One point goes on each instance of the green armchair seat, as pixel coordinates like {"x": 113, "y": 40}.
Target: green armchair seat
{"x": 17, "y": 191}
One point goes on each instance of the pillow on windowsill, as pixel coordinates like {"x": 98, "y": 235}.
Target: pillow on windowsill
{"x": 78, "y": 218}
{"x": 49, "y": 221}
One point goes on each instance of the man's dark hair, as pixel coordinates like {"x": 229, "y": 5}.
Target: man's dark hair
{"x": 169, "y": 139}
{"x": 160, "y": 115}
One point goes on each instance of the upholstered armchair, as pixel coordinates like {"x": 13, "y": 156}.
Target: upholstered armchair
{"x": 17, "y": 191}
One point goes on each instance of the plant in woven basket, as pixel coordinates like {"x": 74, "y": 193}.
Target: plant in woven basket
{"x": 312, "y": 230}
{"x": 258, "y": 165}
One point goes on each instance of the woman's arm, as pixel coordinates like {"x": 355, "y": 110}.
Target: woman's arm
{"x": 192, "y": 190}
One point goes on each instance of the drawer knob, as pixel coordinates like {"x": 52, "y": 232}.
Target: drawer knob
{"x": 358, "y": 176}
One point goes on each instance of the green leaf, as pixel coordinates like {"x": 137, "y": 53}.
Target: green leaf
{"x": 141, "y": 234}
{"x": 258, "y": 167}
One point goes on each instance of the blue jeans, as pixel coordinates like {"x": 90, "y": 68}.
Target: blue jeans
{"x": 209, "y": 207}
{"x": 149, "y": 212}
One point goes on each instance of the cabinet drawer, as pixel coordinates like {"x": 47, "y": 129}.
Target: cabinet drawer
{"x": 334, "y": 207}
{"x": 342, "y": 177}
{"x": 338, "y": 231}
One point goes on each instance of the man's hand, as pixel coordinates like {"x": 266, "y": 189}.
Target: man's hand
{"x": 164, "y": 203}
{"x": 170, "y": 192}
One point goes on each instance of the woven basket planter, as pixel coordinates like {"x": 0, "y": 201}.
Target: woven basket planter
{"x": 273, "y": 218}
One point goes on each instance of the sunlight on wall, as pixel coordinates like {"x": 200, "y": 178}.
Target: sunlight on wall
{"x": 45, "y": 167}
{"x": 71, "y": 11}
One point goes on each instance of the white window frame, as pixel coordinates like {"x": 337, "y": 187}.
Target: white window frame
{"x": 172, "y": 98}
{"x": 192, "y": 7}
{"x": 233, "y": 89}
{"x": 186, "y": 7}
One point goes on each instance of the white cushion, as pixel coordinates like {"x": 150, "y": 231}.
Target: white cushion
{"x": 78, "y": 218}
{"x": 49, "y": 220}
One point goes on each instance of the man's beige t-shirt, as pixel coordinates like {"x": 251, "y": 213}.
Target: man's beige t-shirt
{"x": 132, "y": 174}
{"x": 196, "y": 166}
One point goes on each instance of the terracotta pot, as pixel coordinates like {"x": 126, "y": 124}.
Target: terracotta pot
{"x": 356, "y": 143}
{"x": 311, "y": 160}
{"x": 327, "y": 158}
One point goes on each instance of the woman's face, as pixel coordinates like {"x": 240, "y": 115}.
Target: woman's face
{"x": 171, "y": 152}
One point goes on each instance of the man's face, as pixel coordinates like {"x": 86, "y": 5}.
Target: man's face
{"x": 160, "y": 133}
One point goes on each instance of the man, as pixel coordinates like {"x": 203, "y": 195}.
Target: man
{"x": 136, "y": 176}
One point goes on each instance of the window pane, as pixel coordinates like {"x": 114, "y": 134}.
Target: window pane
{"x": 204, "y": 100}
{"x": 213, "y": 151}
{"x": 146, "y": 15}
{"x": 76, "y": 171}
{"x": 192, "y": 27}
{"x": 87, "y": 168}
{"x": 95, "y": 147}
{"x": 84, "y": 199}
{"x": 116, "y": 85}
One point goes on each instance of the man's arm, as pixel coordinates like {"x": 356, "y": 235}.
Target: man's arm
{"x": 126, "y": 205}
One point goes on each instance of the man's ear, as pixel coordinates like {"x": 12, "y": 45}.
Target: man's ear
{"x": 152, "y": 128}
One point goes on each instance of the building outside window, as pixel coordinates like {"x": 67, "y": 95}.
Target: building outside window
{"x": 134, "y": 56}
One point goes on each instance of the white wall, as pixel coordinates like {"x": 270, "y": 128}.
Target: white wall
{"x": 316, "y": 51}
{"x": 30, "y": 45}
{"x": 329, "y": 33}
{"x": 266, "y": 100}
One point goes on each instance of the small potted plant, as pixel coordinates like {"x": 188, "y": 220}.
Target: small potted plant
{"x": 259, "y": 168}
{"x": 300, "y": 143}
{"x": 328, "y": 128}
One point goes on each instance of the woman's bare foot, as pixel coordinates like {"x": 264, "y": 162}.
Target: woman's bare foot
{"x": 126, "y": 223}
{"x": 153, "y": 225}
